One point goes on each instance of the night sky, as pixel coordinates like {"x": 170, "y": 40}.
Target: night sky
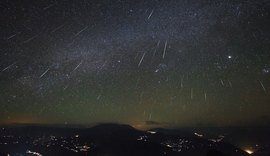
{"x": 139, "y": 62}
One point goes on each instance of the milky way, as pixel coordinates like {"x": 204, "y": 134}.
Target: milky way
{"x": 171, "y": 62}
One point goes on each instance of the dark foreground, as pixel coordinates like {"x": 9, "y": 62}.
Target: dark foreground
{"x": 112, "y": 140}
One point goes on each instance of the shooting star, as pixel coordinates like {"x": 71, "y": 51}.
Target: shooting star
{"x": 150, "y": 116}
{"x": 78, "y": 33}
{"x": 30, "y": 39}
{"x": 205, "y": 96}
{"x": 47, "y": 7}
{"x": 10, "y": 37}
{"x": 191, "y": 93}
{"x": 221, "y": 81}
{"x": 77, "y": 66}
{"x": 44, "y": 73}
{"x": 57, "y": 28}
{"x": 150, "y": 14}
{"x": 165, "y": 48}
{"x": 141, "y": 59}
{"x": 264, "y": 89}
{"x": 8, "y": 67}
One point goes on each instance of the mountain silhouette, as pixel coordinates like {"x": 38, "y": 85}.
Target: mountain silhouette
{"x": 109, "y": 140}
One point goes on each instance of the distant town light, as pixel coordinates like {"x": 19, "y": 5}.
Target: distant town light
{"x": 151, "y": 132}
{"x": 199, "y": 135}
{"x": 33, "y": 153}
{"x": 249, "y": 151}
{"x": 84, "y": 148}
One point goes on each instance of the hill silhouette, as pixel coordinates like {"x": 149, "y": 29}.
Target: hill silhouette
{"x": 109, "y": 139}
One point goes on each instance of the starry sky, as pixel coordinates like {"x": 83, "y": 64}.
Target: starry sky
{"x": 144, "y": 63}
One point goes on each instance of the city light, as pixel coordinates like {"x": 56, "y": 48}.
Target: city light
{"x": 249, "y": 151}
